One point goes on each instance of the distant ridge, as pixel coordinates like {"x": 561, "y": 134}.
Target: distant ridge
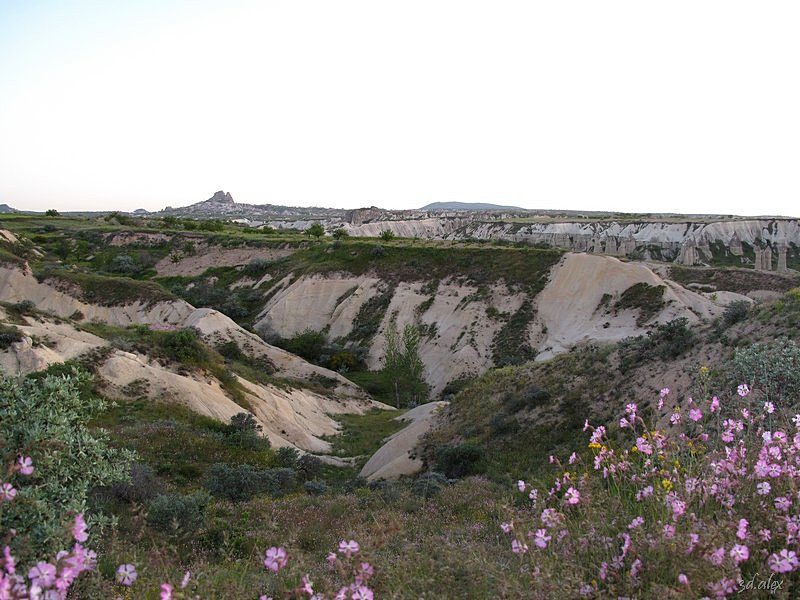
{"x": 5, "y": 208}
{"x": 468, "y": 206}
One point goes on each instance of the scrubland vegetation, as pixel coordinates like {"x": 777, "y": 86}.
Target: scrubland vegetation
{"x": 579, "y": 476}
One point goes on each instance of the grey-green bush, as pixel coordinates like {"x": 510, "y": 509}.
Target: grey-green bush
{"x": 772, "y": 369}
{"x": 177, "y": 515}
{"x": 46, "y": 418}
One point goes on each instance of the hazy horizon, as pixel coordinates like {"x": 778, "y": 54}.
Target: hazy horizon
{"x": 684, "y": 108}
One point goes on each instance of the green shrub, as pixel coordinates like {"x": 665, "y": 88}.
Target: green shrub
{"x": 308, "y": 466}
{"x": 307, "y": 344}
{"x": 143, "y": 486}
{"x": 9, "y": 335}
{"x": 257, "y": 267}
{"x": 235, "y": 482}
{"x": 245, "y": 432}
{"x": 46, "y": 418}
{"x": 647, "y": 299}
{"x": 286, "y": 457}
{"x": 25, "y": 307}
{"x": 177, "y": 515}
{"x": 459, "y": 461}
{"x": 280, "y": 482}
{"x": 666, "y": 342}
{"x": 123, "y": 264}
{"x": 183, "y": 346}
{"x": 315, "y": 488}
{"x": 429, "y": 484}
{"x": 735, "y": 312}
{"x": 772, "y": 368}
{"x": 530, "y": 397}
{"x": 510, "y": 346}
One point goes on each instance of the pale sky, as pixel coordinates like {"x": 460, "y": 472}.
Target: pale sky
{"x": 640, "y": 106}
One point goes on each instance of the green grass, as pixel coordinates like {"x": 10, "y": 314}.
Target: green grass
{"x": 403, "y": 260}
{"x": 416, "y": 545}
{"x": 178, "y": 443}
{"x": 376, "y": 383}
{"x": 647, "y": 299}
{"x": 105, "y": 291}
{"x": 504, "y": 412}
{"x": 741, "y": 281}
{"x": 362, "y": 435}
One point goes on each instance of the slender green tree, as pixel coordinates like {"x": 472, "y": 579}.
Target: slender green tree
{"x": 403, "y": 366}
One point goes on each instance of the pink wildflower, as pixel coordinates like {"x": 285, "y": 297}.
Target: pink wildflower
{"x": 683, "y": 579}
{"x": 348, "y": 548}
{"x": 597, "y": 435}
{"x": 331, "y": 558}
{"x": 714, "y": 404}
{"x": 644, "y": 446}
{"x": 716, "y": 557}
{"x": 521, "y": 485}
{"x": 541, "y": 538}
{"x": 764, "y": 488}
{"x": 678, "y": 508}
{"x": 669, "y": 531}
{"x": 126, "y": 575}
{"x": 769, "y": 408}
{"x": 637, "y": 522}
{"x": 518, "y": 547}
{"x": 695, "y": 414}
{"x": 741, "y": 531}
{"x": 507, "y": 527}
{"x": 645, "y": 492}
{"x": 739, "y": 553}
{"x": 25, "y": 465}
{"x": 166, "y": 591}
{"x": 43, "y": 574}
{"x": 308, "y": 585}
{"x": 693, "y": 540}
{"x": 185, "y": 580}
{"x": 9, "y": 563}
{"x": 7, "y": 492}
{"x": 79, "y": 529}
{"x": 784, "y": 561}
{"x": 635, "y": 568}
{"x": 362, "y": 592}
{"x": 743, "y": 390}
{"x": 366, "y": 571}
{"x": 275, "y": 559}
{"x": 783, "y": 504}
{"x": 573, "y": 496}
{"x": 675, "y": 418}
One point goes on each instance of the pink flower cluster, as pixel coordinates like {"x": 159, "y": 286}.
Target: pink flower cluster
{"x": 692, "y": 476}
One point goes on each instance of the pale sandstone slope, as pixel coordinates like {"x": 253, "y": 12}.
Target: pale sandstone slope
{"x": 296, "y": 416}
{"x": 394, "y": 458}
{"x": 17, "y": 285}
{"x": 569, "y": 306}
